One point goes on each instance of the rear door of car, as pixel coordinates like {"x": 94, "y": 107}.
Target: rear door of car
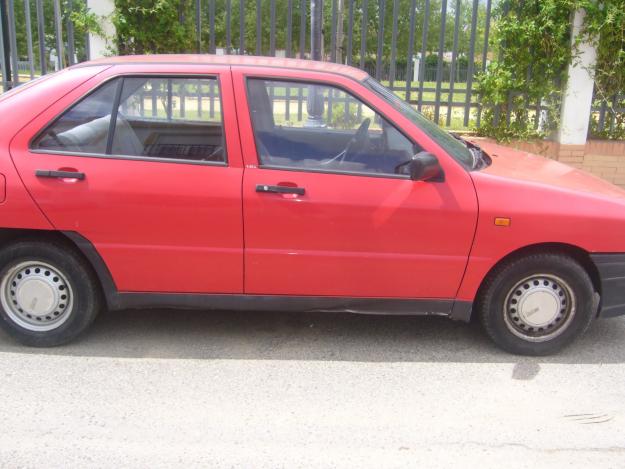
{"x": 159, "y": 193}
{"x": 320, "y": 224}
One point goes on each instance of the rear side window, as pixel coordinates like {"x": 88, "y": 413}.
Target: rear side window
{"x": 83, "y": 128}
{"x": 177, "y": 118}
{"x": 148, "y": 117}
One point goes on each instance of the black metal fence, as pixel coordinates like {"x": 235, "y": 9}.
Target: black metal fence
{"x": 608, "y": 117}
{"x": 427, "y": 51}
{"x": 39, "y": 36}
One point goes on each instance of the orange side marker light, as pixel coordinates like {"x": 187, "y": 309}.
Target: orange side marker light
{"x": 502, "y": 221}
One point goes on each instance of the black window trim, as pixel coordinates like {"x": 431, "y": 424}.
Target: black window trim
{"x": 249, "y": 77}
{"x": 108, "y": 156}
{"x": 113, "y": 120}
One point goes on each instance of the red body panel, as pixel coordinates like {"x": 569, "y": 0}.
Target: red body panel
{"x": 174, "y": 227}
{"x": 160, "y": 227}
{"x": 17, "y": 108}
{"x": 17, "y": 208}
{"x": 353, "y": 235}
{"x": 262, "y": 64}
{"x": 548, "y": 202}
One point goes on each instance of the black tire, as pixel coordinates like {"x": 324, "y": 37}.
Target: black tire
{"x": 509, "y": 286}
{"x": 75, "y": 280}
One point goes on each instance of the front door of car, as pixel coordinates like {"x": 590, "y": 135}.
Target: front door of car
{"x": 147, "y": 175}
{"x": 328, "y": 207}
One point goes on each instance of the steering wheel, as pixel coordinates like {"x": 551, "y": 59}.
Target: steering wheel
{"x": 355, "y": 144}
{"x": 358, "y": 141}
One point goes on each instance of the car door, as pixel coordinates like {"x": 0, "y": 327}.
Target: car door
{"x": 322, "y": 222}
{"x": 146, "y": 165}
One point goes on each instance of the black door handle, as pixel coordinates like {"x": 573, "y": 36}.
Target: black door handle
{"x": 280, "y": 189}
{"x": 46, "y": 173}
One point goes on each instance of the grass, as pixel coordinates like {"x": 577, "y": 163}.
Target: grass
{"x": 459, "y": 94}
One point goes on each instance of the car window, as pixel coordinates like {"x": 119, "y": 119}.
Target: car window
{"x": 84, "y": 127}
{"x": 170, "y": 118}
{"x": 177, "y": 118}
{"x": 459, "y": 151}
{"x": 320, "y": 127}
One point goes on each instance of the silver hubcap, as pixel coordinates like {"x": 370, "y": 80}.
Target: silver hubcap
{"x": 539, "y": 308}
{"x": 36, "y": 296}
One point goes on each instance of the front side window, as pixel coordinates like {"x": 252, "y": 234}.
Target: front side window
{"x": 323, "y": 128}
{"x": 165, "y": 118}
{"x": 459, "y": 151}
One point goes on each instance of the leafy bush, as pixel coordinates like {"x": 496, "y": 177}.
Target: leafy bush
{"x": 431, "y": 60}
{"x": 153, "y": 27}
{"x": 606, "y": 20}
{"x": 533, "y": 50}
{"x": 532, "y": 44}
{"x": 342, "y": 120}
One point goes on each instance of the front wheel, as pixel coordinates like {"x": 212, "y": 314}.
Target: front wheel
{"x": 538, "y": 304}
{"x": 48, "y": 293}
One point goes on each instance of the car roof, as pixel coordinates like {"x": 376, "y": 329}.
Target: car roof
{"x": 233, "y": 60}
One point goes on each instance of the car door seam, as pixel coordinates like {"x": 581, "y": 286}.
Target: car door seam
{"x": 241, "y": 187}
{"x": 477, "y": 220}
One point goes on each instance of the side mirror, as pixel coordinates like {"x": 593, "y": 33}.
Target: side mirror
{"x": 424, "y": 166}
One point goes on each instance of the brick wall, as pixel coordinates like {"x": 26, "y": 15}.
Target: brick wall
{"x": 604, "y": 158}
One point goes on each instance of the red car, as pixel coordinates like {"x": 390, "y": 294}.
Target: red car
{"x": 270, "y": 184}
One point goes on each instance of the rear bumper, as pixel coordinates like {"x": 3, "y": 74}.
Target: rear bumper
{"x": 611, "y": 268}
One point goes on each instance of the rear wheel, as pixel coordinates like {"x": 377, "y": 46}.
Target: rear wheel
{"x": 538, "y": 304}
{"x": 48, "y": 293}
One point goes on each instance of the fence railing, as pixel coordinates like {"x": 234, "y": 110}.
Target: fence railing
{"x": 38, "y": 36}
{"x": 608, "y": 118}
{"x": 430, "y": 52}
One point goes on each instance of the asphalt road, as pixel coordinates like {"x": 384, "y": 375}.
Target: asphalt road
{"x": 189, "y": 389}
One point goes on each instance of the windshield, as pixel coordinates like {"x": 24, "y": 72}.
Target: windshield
{"x": 452, "y": 145}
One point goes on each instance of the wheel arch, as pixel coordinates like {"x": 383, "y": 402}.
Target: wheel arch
{"x": 579, "y": 254}
{"x": 78, "y": 243}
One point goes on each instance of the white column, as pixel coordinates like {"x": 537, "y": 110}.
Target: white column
{"x": 101, "y": 46}
{"x": 577, "y": 98}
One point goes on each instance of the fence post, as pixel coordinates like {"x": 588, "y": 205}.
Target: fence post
{"x": 315, "y": 100}
{"x": 6, "y": 50}
{"x": 58, "y": 34}
{"x": 316, "y": 28}
{"x": 43, "y": 58}
{"x": 101, "y": 46}
{"x": 577, "y": 97}
{"x": 13, "y": 42}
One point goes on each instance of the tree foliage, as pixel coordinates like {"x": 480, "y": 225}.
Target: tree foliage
{"x": 82, "y": 20}
{"x": 169, "y": 26}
